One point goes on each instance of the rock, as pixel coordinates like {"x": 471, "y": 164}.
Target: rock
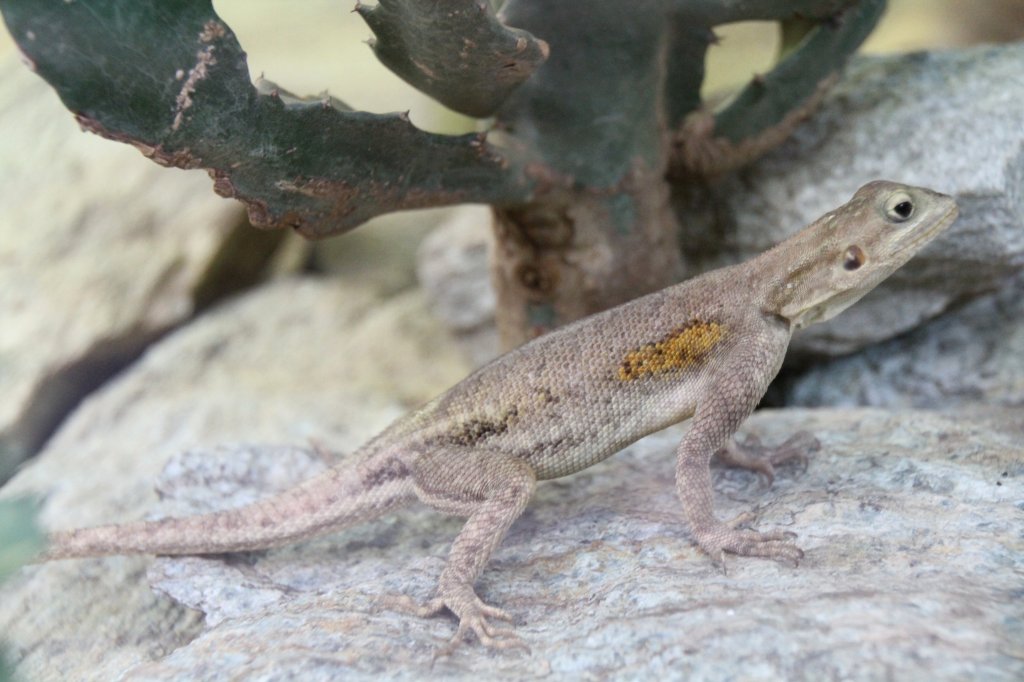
{"x": 101, "y": 252}
{"x": 946, "y": 120}
{"x": 452, "y": 269}
{"x": 383, "y": 251}
{"x": 909, "y": 520}
{"x": 293, "y": 362}
{"x": 974, "y": 355}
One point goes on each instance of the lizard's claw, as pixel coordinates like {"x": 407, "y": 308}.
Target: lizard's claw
{"x": 720, "y": 538}
{"x": 473, "y": 614}
{"x": 488, "y": 634}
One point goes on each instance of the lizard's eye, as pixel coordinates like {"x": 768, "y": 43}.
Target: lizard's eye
{"x": 899, "y": 207}
{"x": 854, "y": 258}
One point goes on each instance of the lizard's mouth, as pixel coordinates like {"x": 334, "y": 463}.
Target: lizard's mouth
{"x": 932, "y": 231}
{"x": 829, "y": 308}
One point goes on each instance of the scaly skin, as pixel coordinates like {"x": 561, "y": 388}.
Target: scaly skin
{"x": 704, "y": 349}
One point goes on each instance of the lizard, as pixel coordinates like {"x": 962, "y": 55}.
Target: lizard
{"x": 704, "y": 349}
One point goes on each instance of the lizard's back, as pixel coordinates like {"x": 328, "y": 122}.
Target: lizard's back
{"x": 583, "y": 392}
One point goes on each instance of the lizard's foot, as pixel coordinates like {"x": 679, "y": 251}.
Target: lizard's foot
{"x": 473, "y": 614}
{"x": 719, "y": 538}
{"x": 754, "y": 456}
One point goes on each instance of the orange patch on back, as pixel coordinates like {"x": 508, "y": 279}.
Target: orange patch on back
{"x": 681, "y": 348}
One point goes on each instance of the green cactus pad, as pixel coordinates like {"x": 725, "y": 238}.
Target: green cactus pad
{"x": 169, "y": 77}
{"x": 455, "y": 51}
{"x": 767, "y": 99}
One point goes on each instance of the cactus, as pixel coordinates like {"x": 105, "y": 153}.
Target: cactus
{"x": 594, "y": 114}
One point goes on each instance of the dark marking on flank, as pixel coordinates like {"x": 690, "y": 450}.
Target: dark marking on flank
{"x": 474, "y": 430}
{"x": 393, "y": 469}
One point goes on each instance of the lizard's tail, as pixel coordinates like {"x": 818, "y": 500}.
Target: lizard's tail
{"x": 339, "y": 497}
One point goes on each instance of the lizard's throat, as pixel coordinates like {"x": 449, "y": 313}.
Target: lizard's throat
{"x": 822, "y": 310}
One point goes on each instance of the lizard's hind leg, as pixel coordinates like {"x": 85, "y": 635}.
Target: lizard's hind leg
{"x": 491, "y": 490}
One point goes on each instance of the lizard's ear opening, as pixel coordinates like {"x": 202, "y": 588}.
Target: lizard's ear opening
{"x": 854, "y": 258}
{"x": 899, "y": 207}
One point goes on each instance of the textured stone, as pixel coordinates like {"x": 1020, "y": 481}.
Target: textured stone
{"x": 101, "y": 251}
{"x": 453, "y": 271}
{"x": 946, "y": 120}
{"x": 381, "y": 253}
{"x": 294, "y": 362}
{"x": 974, "y": 355}
{"x": 910, "y": 521}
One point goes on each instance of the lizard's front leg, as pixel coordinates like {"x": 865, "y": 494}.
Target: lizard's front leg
{"x": 693, "y": 483}
{"x": 492, "y": 490}
{"x": 731, "y": 395}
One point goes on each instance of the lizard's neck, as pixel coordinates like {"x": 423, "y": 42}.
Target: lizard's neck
{"x": 791, "y": 279}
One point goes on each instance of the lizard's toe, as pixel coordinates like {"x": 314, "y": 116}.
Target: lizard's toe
{"x": 487, "y": 634}
{"x": 797, "y": 447}
{"x": 405, "y": 604}
{"x": 474, "y": 616}
{"x": 488, "y": 611}
{"x": 754, "y": 456}
{"x": 722, "y": 538}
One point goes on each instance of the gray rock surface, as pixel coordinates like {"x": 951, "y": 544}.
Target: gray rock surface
{"x": 974, "y": 355}
{"x": 452, "y": 267}
{"x": 292, "y": 362}
{"x": 910, "y": 521}
{"x": 101, "y": 251}
{"x": 946, "y": 120}
{"x": 383, "y": 251}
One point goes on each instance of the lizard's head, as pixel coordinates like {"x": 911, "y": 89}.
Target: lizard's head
{"x": 843, "y": 255}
